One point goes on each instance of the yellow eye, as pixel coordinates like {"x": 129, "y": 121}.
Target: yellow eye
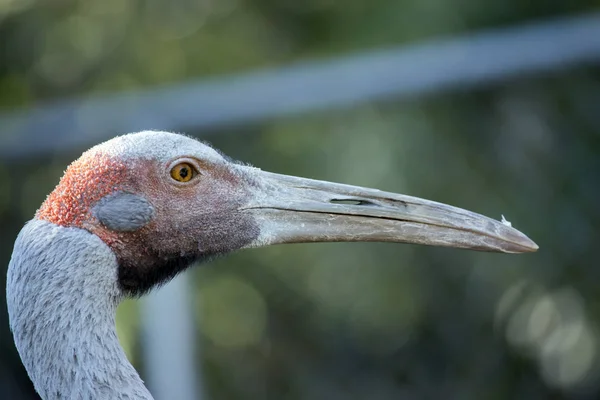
{"x": 183, "y": 172}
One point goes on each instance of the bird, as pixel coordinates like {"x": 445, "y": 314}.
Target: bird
{"x": 133, "y": 212}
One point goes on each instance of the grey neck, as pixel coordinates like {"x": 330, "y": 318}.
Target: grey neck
{"x": 62, "y": 297}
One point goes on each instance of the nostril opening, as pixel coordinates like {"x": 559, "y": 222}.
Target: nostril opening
{"x": 352, "y": 202}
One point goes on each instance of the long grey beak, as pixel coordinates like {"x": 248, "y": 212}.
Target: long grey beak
{"x": 290, "y": 209}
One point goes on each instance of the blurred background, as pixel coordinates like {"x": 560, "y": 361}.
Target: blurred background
{"x": 490, "y": 106}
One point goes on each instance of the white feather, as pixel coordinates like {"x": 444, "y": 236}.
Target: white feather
{"x": 156, "y": 145}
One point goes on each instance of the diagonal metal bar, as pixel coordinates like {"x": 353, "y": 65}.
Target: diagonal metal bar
{"x": 473, "y": 60}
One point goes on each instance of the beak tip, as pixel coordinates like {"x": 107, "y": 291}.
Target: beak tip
{"x": 531, "y": 246}
{"x": 525, "y": 245}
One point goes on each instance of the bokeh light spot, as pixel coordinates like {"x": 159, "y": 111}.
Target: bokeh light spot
{"x": 552, "y": 328}
{"x": 544, "y": 316}
{"x": 569, "y": 356}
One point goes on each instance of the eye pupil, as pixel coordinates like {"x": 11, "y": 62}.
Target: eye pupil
{"x": 183, "y": 172}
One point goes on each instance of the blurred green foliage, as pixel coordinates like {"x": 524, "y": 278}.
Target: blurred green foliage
{"x": 352, "y": 321}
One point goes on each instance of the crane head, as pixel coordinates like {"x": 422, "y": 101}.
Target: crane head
{"x": 162, "y": 201}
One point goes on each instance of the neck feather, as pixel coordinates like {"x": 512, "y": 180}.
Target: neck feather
{"x": 62, "y": 296}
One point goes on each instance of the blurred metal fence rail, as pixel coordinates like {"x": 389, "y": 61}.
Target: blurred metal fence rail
{"x": 472, "y": 60}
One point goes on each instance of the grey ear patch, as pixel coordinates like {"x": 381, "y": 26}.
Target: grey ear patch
{"x": 123, "y": 212}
